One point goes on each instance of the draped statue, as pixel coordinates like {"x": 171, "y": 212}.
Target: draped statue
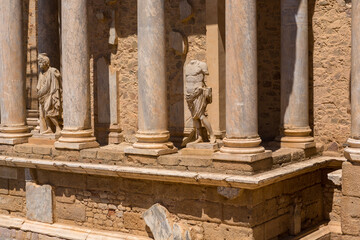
{"x": 49, "y": 91}
{"x": 198, "y": 96}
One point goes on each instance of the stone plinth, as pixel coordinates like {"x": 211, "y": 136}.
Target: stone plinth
{"x": 204, "y": 148}
{"x": 295, "y": 75}
{"x": 13, "y": 128}
{"x": 77, "y": 133}
{"x": 44, "y": 139}
{"x": 153, "y": 135}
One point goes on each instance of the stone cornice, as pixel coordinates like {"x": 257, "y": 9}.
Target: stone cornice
{"x": 187, "y": 177}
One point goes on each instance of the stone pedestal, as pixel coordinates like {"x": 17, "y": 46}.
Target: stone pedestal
{"x": 153, "y": 135}
{"x": 204, "y": 148}
{"x": 295, "y": 75}
{"x": 352, "y": 152}
{"x": 13, "y": 128}
{"x": 242, "y": 140}
{"x": 77, "y": 133}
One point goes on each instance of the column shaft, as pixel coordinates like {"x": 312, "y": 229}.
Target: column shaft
{"x": 77, "y": 132}
{"x": 48, "y": 30}
{"x": 153, "y": 118}
{"x": 12, "y": 74}
{"x": 294, "y": 72}
{"x": 241, "y": 78}
{"x": 353, "y": 151}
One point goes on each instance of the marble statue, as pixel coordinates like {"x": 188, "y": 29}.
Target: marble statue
{"x": 198, "y": 96}
{"x": 49, "y": 91}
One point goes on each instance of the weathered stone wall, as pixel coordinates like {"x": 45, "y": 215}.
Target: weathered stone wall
{"x": 117, "y": 204}
{"x": 331, "y": 23}
{"x": 12, "y": 193}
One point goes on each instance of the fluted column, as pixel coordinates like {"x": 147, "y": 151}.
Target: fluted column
{"x": 241, "y": 79}
{"x": 13, "y": 128}
{"x": 77, "y": 132}
{"x": 352, "y": 152}
{"x": 295, "y": 75}
{"x": 153, "y": 134}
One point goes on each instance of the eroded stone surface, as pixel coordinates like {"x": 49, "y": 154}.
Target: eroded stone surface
{"x": 39, "y": 202}
{"x": 156, "y": 219}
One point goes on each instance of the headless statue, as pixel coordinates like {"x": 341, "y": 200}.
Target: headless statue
{"x": 198, "y": 96}
{"x": 49, "y": 92}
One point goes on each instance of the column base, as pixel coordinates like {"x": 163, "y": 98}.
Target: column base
{"x": 297, "y": 138}
{"x": 115, "y": 135}
{"x": 76, "y": 140}
{"x": 13, "y": 135}
{"x": 352, "y": 152}
{"x": 153, "y": 144}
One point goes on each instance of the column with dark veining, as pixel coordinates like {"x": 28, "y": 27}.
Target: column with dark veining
{"x": 153, "y": 135}
{"x": 352, "y": 152}
{"x": 77, "y": 132}
{"x": 13, "y": 129}
{"x": 295, "y": 75}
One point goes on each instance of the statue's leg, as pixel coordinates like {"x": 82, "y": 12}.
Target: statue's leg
{"x": 48, "y": 124}
{"x": 205, "y": 121}
{"x": 197, "y": 125}
{"x": 42, "y": 122}
{"x": 56, "y": 123}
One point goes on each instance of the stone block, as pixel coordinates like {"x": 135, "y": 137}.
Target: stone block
{"x": 43, "y": 150}
{"x": 75, "y": 146}
{"x": 17, "y": 188}
{"x": 335, "y": 177}
{"x": 39, "y": 202}
{"x": 74, "y": 212}
{"x": 8, "y": 173}
{"x": 213, "y": 231}
{"x": 110, "y": 154}
{"x": 23, "y": 148}
{"x": 11, "y": 203}
{"x": 134, "y": 221}
{"x": 60, "y": 179}
{"x": 89, "y": 153}
{"x": 276, "y": 226}
{"x": 195, "y": 161}
{"x": 169, "y": 160}
{"x": 150, "y": 152}
{"x": 350, "y": 179}
{"x": 156, "y": 219}
{"x": 4, "y": 186}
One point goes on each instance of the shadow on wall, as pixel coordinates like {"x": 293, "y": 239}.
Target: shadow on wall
{"x": 269, "y": 66}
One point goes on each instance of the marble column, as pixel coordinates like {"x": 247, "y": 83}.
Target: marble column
{"x": 77, "y": 133}
{"x": 295, "y": 128}
{"x": 352, "y": 152}
{"x": 241, "y": 82}
{"x": 13, "y": 129}
{"x": 48, "y": 30}
{"x": 153, "y": 135}
{"x": 215, "y": 59}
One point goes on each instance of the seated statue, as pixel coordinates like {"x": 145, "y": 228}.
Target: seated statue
{"x": 198, "y": 96}
{"x": 49, "y": 92}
